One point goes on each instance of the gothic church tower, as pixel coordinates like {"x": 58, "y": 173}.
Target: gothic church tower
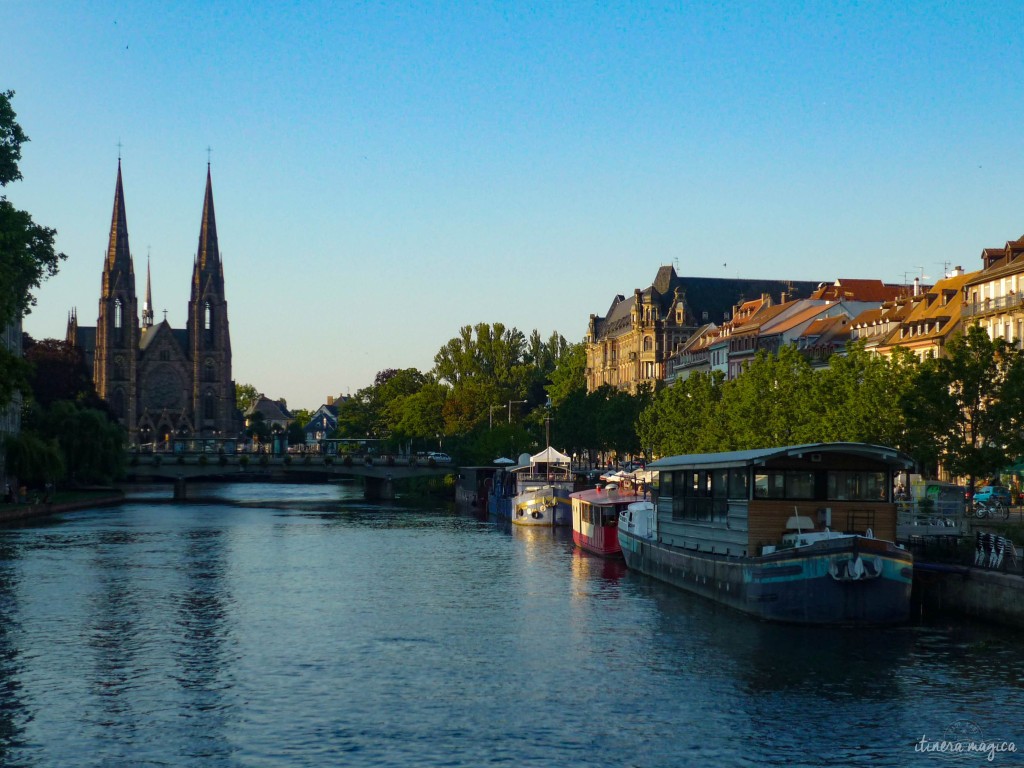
{"x": 213, "y": 391}
{"x": 117, "y": 328}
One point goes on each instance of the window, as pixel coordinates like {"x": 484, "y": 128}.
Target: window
{"x": 738, "y": 483}
{"x": 209, "y": 406}
{"x": 769, "y": 485}
{"x": 207, "y": 317}
{"x": 857, "y": 486}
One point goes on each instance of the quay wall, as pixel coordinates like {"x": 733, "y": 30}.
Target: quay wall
{"x": 12, "y": 513}
{"x": 989, "y": 596}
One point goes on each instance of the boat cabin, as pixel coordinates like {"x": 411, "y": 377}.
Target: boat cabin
{"x": 741, "y": 502}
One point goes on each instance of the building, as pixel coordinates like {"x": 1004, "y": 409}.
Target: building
{"x": 934, "y": 316}
{"x": 162, "y": 382}
{"x": 10, "y": 413}
{"x": 994, "y": 297}
{"x": 630, "y": 345}
{"x": 322, "y": 423}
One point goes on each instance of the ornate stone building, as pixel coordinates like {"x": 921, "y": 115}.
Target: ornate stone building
{"x": 630, "y": 345}
{"x": 162, "y": 382}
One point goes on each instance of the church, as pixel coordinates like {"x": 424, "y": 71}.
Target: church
{"x": 162, "y": 382}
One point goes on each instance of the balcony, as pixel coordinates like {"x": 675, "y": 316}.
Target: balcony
{"x": 1011, "y": 302}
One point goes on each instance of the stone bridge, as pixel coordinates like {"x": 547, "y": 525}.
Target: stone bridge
{"x": 379, "y": 476}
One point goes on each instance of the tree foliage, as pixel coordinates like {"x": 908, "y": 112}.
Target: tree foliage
{"x": 246, "y": 396}
{"x": 966, "y": 409}
{"x": 27, "y": 254}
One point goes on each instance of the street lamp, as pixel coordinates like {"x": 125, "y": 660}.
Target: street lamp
{"x": 490, "y": 415}
{"x": 510, "y": 403}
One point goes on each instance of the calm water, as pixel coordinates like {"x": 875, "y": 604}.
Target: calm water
{"x": 301, "y": 626}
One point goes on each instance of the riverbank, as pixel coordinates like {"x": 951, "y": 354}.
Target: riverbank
{"x": 66, "y": 501}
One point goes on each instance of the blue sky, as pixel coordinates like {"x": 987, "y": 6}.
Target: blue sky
{"x": 386, "y": 173}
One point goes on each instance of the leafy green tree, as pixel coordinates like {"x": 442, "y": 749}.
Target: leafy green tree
{"x": 302, "y": 416}
{"x": 685, "y": 417}
{"x": 27, "y": 254}
{"x": 58, "y": 372}
{"x": 34, "y": 461}
{"x": 246, "y": 396}
{"x": 569, "y": 374}
{"x": 771, "y": 403}
{"x": 419, "y": 415}
{"x": 859, "y": 397}
{"x": 296, "y": 434}
{"x": 962, "y": 409}
{"x": 91, "y": 445}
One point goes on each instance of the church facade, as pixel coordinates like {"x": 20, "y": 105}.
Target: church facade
{"x": 162, "y": 382}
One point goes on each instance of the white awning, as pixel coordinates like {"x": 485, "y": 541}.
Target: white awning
{"x": 550, "y": 456}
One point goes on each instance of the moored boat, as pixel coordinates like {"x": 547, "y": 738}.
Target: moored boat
{"x": 595, "y": 518}
{"x": 534, "y": 493}
{"x": 798, "y": 534}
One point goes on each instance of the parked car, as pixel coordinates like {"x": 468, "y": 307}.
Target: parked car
{"x": 439, "y": 458}
{"x": 992, "y": 493}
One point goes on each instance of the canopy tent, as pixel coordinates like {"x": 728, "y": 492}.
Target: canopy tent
{"x": 550, "y": 456}
{"x": 504, "y": 461}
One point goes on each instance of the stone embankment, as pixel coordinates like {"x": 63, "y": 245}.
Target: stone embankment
{"x": 15, "y": 512}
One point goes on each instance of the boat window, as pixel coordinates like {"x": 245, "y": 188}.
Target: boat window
{"x": 857, "y": 486}
{"x": 769, "y": 485}
{"x": 799, "y": 485}
{"x": 666, "y": 485}
{"x": 738, "y": 483}
{"x": 720, "y": 483}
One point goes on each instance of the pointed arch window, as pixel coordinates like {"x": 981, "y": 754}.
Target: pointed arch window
{"x": 209, "y": 405}
{"x": 118, "y": 319}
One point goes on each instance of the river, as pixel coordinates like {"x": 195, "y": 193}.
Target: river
{"x": 282, "y": 625}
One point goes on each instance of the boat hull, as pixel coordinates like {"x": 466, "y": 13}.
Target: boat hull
{"x": 545, "y": 506}
{"x": 808, "y": 585}
{"x": 597, "y": 539}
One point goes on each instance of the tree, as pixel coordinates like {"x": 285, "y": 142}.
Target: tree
{"x": 246, "y": 396}
{"x": 569, "y": 374}
{"x": 962, "y": 410}
{"x": 685, "y": 417}
{"x": 27, "y": 254}
{"x": 58, "y": 372}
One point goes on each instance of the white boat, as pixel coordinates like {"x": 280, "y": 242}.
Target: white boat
{"x": 542, "y": 488}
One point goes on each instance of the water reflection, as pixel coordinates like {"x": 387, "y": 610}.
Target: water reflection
{"x": 311, "y": 628}
{"x": 12, "y": 710}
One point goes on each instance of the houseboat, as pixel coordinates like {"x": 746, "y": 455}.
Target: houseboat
{"x": 595, "y": 517}
{"x": 536, "y": 492}
{"x": 799, "y": 534}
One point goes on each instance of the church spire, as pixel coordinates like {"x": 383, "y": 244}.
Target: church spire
{"x": 147, "y": 305}
{"x": 118, "y": 252}
{"x": 208, "y": 255}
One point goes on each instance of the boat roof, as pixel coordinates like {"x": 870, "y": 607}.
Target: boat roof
{"x": 761, "y": 455}
{"x": 597, "y": 496}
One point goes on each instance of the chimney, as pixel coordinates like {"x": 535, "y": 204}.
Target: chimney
{"x": 917, "y": 286}
{"x": 957, "y": 271}
{"x": 330, "y": 399}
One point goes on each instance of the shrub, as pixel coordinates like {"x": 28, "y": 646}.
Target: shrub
{"x": 347, "y": 461}
{"x": 243, "y": 461}
{"x": 222, "y": 459}
{"x": 181, "y": 459}
{"x": 264, "y": 460}
{"x": 203, "y": 461}
{"x": 328, "y": 460}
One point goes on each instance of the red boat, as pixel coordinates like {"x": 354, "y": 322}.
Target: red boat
{"x": 595, "y": 518}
